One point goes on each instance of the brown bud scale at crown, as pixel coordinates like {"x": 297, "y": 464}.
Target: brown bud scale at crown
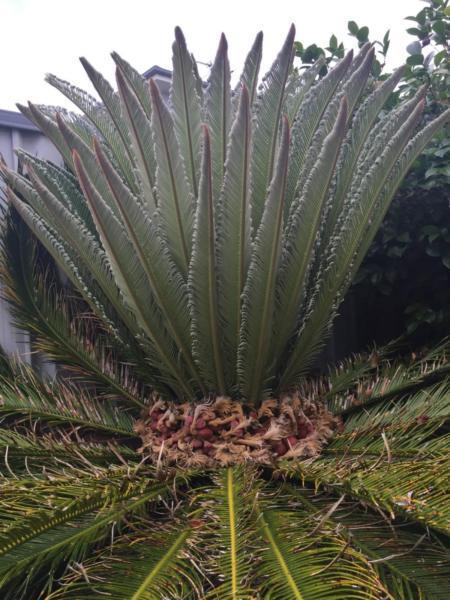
{"x": 225, "y": 432}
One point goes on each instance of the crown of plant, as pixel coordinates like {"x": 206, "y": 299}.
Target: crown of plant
{"x": 220, "y": 230}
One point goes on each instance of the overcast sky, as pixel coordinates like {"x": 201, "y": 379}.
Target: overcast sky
{"x": 40, "y": 36}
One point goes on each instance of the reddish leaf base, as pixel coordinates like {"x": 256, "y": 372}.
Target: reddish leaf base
{"x": 224, "y": 432}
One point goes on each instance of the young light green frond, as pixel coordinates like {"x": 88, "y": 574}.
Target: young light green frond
{"x": 185, "y": 100}
{"x": 202, "y": 282}
{"x": 49, "y": 127}
{"x": 308, "y": 118}
{"x": 384, "y": 129}
{"x": 164, "y": 279}
{"x": 234, "y": 231}
{"x": 56, "y": 249}
{"x": 302, "y": 238}
{"x": 254, "y": 361}
{"x": 141, "y": 141}
{"x": 130, "y": 277}
{"x": 138, "y": 83}
{"x": 78, "y": 145}
{"x": 350, "y": 87}
{"x": 199, "y": 84}
{"x": 158, "y": 558}
{"x": 268, "y": 113}
{"x": 297, "y": 86}
{"x": 100, "y": 119}
{"x": 63, "y": 185}
{"x": 80, "y": 256}
{"x": 73, "y": 247}
{"x": 218, "y": 114}
{"x": 250, "y": 72}
{"x": 401, "y": 167}
{"x": 336, "y": 279}
{"x": 232, "y": 549}
{"x": 356, "y": 138}
{"x": 174, "y": 194}
{"x": 110, "y": 99}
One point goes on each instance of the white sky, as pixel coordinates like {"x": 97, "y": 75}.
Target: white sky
{"x": 40, "y": 36}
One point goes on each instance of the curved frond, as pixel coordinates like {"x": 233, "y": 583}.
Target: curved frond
{"x": 95, "y": 111}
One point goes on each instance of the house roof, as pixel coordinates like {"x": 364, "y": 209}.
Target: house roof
{"x": 157, "y": 71}
{"x": 16, "y": 120}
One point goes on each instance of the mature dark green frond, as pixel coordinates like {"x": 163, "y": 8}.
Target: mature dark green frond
{"x": 30, "y": 400}
{"x": 64, "y": 535}
{"x": 411, "y": 564}
{"x": 303, "y": 560}
{"x": 42, "y": 455}
{"x": 232, "y": 544}
{"x": 396, "y": 380}
{"x": 415, "y": 489}
{"x": 158, "y": 558}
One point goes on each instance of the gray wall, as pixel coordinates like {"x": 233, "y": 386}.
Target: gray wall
{"x": 18, "y": 132}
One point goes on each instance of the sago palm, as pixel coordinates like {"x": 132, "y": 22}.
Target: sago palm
{"x": 183, "y": 271}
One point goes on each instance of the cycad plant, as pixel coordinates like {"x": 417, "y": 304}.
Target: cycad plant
{"x": 183, "y": 271}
